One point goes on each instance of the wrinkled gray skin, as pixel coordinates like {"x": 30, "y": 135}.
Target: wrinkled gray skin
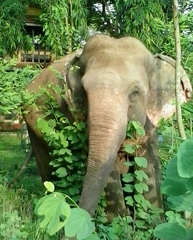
{"x": 118, "y": 80}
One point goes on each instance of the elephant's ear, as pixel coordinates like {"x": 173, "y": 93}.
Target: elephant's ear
{"x": 75, "y": 94}
{"x": 162, "y": 89}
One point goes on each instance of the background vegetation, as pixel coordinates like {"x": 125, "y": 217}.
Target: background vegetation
{"x": 66, "y": 25}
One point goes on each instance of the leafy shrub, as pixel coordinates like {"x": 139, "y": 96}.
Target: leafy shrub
{"x": 13, "y": 227}
{"x": 12, "y": 83}
{"x": 177, "y": 186}
{"x": 169, "y": 139}
{"x": 68, "y": 144}
{"x": 16, "y": 216}
{"x": 57, "y": 212}
{"x": 145, "y": 216}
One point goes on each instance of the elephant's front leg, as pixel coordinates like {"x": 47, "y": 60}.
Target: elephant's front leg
{"x": 114, "y": 192}
{"x": 150, "y": 150}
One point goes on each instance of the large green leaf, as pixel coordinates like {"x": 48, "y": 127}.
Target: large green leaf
{"x": 185, "y": 159}
{"x": 55, "y": 212}
{"x": 93, "y": 237}
{"x": 181, "y": 203}
{"x": 189, "y": 184}
{"x": 171, "y": 169}
{"x": 79, "y": 224}
{"x": 170, "y": 231}
{"x": 189, "y": 234}
{"x": 172, "y": 187}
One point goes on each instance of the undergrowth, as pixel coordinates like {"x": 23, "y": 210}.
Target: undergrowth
{"x": 17, "y": 220}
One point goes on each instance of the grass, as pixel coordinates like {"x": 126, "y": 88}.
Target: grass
{"x": 12, "y": 156}
{"x": 17, "y": 220}
{"x": 11, "y": 151}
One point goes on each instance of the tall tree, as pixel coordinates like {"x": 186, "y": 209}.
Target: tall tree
{"x": 129, "y": 17}
{"x": 64, "y": 24}
{"x": 67, "y": 22}
{"x": 12, "y": 32}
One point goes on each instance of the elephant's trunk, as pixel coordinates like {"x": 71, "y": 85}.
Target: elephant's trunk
{"x": 107, "y": 129}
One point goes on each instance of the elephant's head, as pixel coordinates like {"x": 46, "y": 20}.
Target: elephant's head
{"x": 118, "y": 77}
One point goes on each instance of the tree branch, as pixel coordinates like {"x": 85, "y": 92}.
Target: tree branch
{"x": 178, "y": 69}
{"x": 111, "y": 15}
{"x": 24, "y": 165}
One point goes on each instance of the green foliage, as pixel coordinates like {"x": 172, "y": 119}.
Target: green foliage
{"x": 16, "y": 216}
{"x": 68, "y": 144}
{"x": 176, "y": 180}
{"x": 167, "y": 46}
{"x": 145, "y": 215}
{"x": 134, "y": 128}
{"x": 80, "y": 218}
{"x": 12, "y": 155}
{"x": 185, "y": 168}
{"x": 169, "y": 135}
{"x": 12, "y": 34}
{"x": 56, "y": 213}
{"x": 170, "y": 231}
{"x": 177, "y": 186}
{"x": 119, "y": 229}
{"x": 12, "y": 84}
{"x": 64, "y": 24}
{"x": 138, "y": 19}
{"x": 128, "y": 227}
{"x": 13, "y": 227}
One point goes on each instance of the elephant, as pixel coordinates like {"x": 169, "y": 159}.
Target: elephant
{"x": 116, "y": 81}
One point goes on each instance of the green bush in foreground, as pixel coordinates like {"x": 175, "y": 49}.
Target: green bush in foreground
{"x": 57, "y": 210}
{"x": 16, "y": 217}
{"x": 178, "y": 187}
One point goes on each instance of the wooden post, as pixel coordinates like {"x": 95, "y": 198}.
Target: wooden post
{"x": 19, "y": 56}
{"x": 33, "y": 45}
{"x": 38, "y": 53}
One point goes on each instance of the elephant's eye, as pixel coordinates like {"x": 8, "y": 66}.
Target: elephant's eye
{"x": 134, "y": 95}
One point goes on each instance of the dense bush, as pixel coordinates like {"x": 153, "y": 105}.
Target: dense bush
{"x": 177, "y": 186}
{"x": 12, "y": 84}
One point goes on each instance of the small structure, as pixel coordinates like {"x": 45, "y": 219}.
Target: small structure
{"x": 7, "y": 124}
{"x": 39, "y": 54}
